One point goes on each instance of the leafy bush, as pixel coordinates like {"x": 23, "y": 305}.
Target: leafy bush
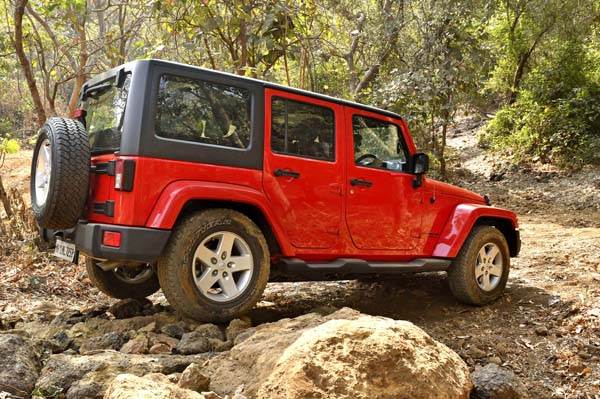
{"x": 556, "y": 118}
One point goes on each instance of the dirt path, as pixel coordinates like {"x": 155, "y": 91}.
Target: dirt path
{"x": 546, "y": 328}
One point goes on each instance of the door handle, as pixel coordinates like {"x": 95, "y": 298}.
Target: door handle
{"x": 287, "y": 173}
{"x": 361, "y": 182}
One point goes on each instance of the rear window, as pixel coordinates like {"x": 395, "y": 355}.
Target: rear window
{"x": 204, "y": 112}
{"x": 105, "y": 109}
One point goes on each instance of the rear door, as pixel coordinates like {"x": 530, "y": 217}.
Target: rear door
{"x": 382, "y": 208}
{"x": 303, "y": 169}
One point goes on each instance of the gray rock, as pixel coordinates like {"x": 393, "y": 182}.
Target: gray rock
{"x": 159, "y": 348}
{"x": 68, "y": 317}
{"x": 88, "y": 376}
{"x": 193, "y": 378}
{"x": 193, "y": 342}
{"x": 111, "y": 340}
{"x": 19, "y": 365}
{"x": 59, "y": 342}
{"x": 162, "y": 339}
{"x": 235, "y": 327}
{"x": 495, "y": 382}
{"x": 137, "y": 345}
{"x": 128, "y": 386}
{"x": 173, "y": 330}
{"x": 127, "y": 308}
{"x": 216, "y": 345}
{"x": 210, "y": 331}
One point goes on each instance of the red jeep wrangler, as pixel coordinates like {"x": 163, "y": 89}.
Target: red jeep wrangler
{"x": 208, "y": 185}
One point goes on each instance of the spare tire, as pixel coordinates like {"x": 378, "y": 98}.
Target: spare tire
{"x": 60, "y": 173}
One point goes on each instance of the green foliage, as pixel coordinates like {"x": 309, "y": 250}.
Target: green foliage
{"x": 556, "y": 118}
{"x": 9, "y": 146}
{"x": 534, "y": 63}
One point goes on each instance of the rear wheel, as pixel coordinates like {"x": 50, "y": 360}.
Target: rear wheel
{"x": 479, "y": 273}
{"x": 215, "y": 266}
{"x": 123, "y": 282}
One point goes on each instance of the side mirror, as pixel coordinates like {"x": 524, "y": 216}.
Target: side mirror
{"x": 420, "y": 163}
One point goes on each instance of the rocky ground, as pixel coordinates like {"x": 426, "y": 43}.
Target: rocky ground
{"x": 546, "y": 329}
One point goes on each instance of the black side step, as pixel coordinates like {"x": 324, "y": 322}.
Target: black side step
{"x": 349, "y": 267}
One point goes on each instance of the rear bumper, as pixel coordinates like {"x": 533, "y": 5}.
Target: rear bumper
{"x": 137, "y": 243}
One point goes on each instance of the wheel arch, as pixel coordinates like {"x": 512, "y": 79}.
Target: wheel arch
{"x": 251, "y": 211}
{"x": 467, "y": 216}
{"x": 506, "y": 228}
{"x": 184, "y": 197}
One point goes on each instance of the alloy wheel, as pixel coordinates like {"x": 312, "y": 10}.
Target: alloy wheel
{"x": 222, "y": 266}
{"x": 489, "y": 267}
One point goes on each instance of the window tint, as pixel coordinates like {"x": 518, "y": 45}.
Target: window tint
{"x": 203, "y": 112}
{"x": 302, "y": 129}
{"x": 378, "y": 144}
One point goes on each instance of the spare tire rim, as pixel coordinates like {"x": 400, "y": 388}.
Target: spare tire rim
{"x": 43, "y": 169}
{"x": 222, "y": 266}
{"x": 489, "y": 267}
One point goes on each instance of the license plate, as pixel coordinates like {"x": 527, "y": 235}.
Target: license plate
{"x": 66, "y": 250}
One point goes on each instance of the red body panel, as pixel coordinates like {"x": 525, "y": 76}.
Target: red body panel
{"x": 459, "y": 226}
{"x": 387, "y": 215}
{"x": 309, "y": 207}
{"x": 318, "y": 216}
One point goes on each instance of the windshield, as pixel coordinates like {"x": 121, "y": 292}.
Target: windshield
{"x": 105, "y": 109}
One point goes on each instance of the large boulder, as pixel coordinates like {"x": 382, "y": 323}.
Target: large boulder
{"x": 19, "y": 367}
{"x": 128, "y": 386}
{"x": 344, "y": 355}
{"x": 88, "y": 376}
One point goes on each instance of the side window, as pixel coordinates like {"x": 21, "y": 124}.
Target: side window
{"x": 302, "y": 129}
{"x": 203, "y": 112}
{"x": 378, "y": 144}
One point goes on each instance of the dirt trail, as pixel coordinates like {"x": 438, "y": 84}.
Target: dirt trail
{"x": 546, "y": 328}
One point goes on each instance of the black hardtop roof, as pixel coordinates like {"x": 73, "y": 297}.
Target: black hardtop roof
{"x": 129, "y": 65}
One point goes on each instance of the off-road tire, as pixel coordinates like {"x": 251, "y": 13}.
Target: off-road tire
{"x": 175, "y": 265}
{"x": 461, "y": 275}
{"x": 69, "y": 178}
{"x": 111, "y": 285}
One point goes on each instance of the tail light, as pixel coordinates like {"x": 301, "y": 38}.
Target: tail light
{"x": 78, "y": 113}
{"x": 111, "y": 239}
{"x": 124, "y": 174}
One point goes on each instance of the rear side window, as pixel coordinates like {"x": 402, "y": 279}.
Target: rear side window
{"x": 203, "y": 112}
{"x": 302, "y": 129}
{"x": 105, "y": 109}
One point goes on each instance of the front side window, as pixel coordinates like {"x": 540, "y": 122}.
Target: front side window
{"x": 378, "y": 144}
{"x": 203, "y": 112}
{"x": 104, "y": 111}
{"x": 302, "y": 129}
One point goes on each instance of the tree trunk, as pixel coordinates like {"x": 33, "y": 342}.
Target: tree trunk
{"x": 81, "y": 72}
{"x": 5, "y": 201}
{"x": 517, "y": 77}
{"x": 25, "y": 64}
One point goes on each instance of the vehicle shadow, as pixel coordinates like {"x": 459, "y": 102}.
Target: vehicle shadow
{"x": 420, "y": 298}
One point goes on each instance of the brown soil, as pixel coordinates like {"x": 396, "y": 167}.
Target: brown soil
{"x": 546, "y": 328}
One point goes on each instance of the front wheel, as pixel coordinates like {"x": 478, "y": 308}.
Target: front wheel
{"x": 479, "y": 273}
{"x": 215, "y": 266}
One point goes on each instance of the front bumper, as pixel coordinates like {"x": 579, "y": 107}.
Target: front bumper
{"x": 517, "y": 247}
{"x": 137, "y": 243}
